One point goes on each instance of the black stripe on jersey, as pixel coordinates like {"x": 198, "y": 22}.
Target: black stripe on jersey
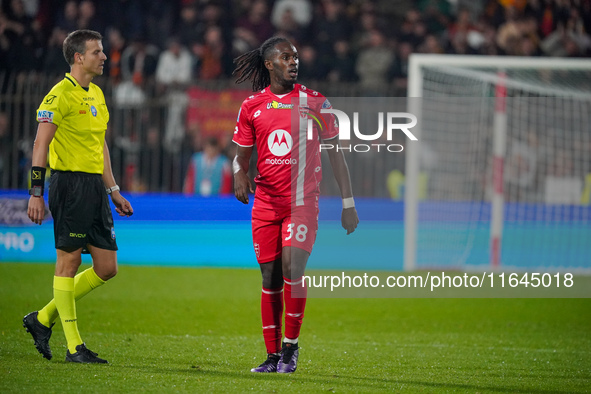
{"x": 71, "y": 81}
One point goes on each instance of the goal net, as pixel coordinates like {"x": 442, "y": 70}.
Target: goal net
{"x": 504, "y": 148}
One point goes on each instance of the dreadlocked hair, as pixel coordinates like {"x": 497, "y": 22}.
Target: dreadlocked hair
{"x": 251, "y": 65}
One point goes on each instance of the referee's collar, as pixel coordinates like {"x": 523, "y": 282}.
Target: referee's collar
{"x": 70, "y": 78}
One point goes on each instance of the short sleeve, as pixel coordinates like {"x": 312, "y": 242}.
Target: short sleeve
{"x": 51, "y": 109}
{"x": 332, "y": 129}
{"x": 244, "y": 131}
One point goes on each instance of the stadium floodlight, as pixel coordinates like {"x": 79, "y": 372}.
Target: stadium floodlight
{"x": 503, "y": 160}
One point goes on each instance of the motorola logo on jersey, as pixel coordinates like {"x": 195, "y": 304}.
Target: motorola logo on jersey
{"x": 280, "y": 142}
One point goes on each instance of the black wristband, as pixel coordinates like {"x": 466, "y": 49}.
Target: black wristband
{"x": 38, "y": 176}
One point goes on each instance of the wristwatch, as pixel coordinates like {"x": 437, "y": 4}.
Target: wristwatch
{"x": 36, "y": 191}
{"x": 112, "y": 189}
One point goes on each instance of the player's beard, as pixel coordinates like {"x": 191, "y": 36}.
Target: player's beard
{"x": 290, "y": 77}
{"x": 288, "y": 81}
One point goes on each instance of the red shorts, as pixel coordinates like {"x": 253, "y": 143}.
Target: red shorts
{"x": 276, "y": 224}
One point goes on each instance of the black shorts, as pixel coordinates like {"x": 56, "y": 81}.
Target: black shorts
{"x": 81, "y": 212}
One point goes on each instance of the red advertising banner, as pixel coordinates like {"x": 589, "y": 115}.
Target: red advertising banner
{"x": 214, "y": 113}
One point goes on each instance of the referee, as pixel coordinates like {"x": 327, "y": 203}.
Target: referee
{"x": 72, "y": 123}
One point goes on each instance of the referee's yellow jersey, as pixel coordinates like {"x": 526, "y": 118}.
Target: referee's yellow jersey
{"x": 81, "y": 117}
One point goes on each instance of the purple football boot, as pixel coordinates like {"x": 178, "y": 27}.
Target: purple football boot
{"x": 288, "y": 362}
{"x": 269, "y": 365}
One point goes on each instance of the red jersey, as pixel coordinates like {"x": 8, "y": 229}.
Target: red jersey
{"x": 286, "y": 130}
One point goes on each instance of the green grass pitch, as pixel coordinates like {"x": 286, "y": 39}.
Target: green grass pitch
{"x": 199, "y": 330}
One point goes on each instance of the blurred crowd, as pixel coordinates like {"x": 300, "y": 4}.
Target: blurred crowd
{"x": 160, "y": 48}
{"x": 368, "y": 41}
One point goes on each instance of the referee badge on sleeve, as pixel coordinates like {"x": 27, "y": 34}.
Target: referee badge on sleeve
{"x": 44, "y": 116}
{"x": 49, "y": 99}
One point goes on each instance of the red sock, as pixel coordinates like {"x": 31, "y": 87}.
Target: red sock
{"x": 272, "y": 312}
{"x": 295, "y": 303}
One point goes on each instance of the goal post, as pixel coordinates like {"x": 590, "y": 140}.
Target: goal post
{"x": 505, "y": 146}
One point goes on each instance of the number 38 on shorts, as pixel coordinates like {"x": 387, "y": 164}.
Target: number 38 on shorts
{"x": 299, "y": 232}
